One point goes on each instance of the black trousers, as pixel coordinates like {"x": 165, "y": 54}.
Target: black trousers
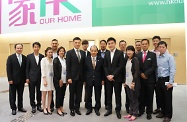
{"x": 133, "y": 99}
{"x": 75, "y": 90}
{"x": 117, "y": 90}
{"x": 127, "y": 102}
{"x": 158, "y": 104}
{"x": 13, "y": 89}
{"x": 89, "y": 91}
{"x": 105, "y": 93}
{"x": 34, "y": 87}
{"x": 60, "y": 94}
{"x": 165, "y": 97}
{"x": 146, "y": 97}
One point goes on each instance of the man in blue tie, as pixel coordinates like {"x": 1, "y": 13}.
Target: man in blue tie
{"x": 101, "y": 53}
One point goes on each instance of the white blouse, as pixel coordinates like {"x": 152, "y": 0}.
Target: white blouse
{"x": 129, "y": 76}
{"x": 63, "y": 73}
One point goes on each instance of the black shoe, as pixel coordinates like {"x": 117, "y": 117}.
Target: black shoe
{"x": 88, "y": 112}
{"x": 108, "y": 113}
{"x": 22, "y": 110}
{"x": 33, "y": 110}
{"x": 46, "y": 112}
{"x": 78, "y": 112}
{"x": 166, "y": 119}
{"x": 60, "y": 114}
{"x": 118, "y": 115}
{"x": 156, "y": 111}
{"x": 160, "y": 115}
{"x": 49, "y": 112}
{"x": 52, "y": 109}
{"x": 97, "y": 112}
{"x": 64, "y": 113}
{"x": 72, "y": 113}
{"x": 13, "y": 112}
{"x": 149, "y": 116}
{"x": 39, "y": 109}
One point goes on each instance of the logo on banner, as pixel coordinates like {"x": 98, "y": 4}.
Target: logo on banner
{"x": 24, "y": 12}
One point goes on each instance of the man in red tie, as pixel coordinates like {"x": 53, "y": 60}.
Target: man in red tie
{"x": 148, "y": 63}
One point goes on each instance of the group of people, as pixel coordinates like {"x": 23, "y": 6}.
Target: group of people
{"x": 138, "y": 70}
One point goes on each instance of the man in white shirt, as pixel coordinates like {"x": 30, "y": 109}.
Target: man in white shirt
{"x": 33, "y": 76}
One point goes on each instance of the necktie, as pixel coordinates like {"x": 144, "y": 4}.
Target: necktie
{"x": 102, "y": 54}
{"x": 78, "y": 55}
{"x": 93, "y": 62}
{"x": 144, "y": 56}
{"x": 19, "y": 59}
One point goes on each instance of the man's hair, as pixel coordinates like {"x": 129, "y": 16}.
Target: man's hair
{"x": 162, "y": 42}
{"x": 36, "y": 43}
{"x": 18, "y": 44}
{"x": 156, "y": 37}
{"x": 111, "y": 39}
{"x": 85, "y": 42}
{"x": 145, "y": 40}
{"x": 76, "y": 38}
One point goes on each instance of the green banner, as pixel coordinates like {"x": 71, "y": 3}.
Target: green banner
{"x": 130, "y": 12}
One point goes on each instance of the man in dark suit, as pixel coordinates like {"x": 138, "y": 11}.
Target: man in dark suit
{"x": 122, "y": 46}
{"x": 33, "y": 75}
{"x": 101, "y": 53}
{"x": 16, "y": 72}
{"x": 54, "y": 46}
{"x": 94, "y": 75}
{"x": 113, "y": 66}
{"x": 85, "y": 45}
{"x": 148, "y": 64}
{"x": 75, "y": 59}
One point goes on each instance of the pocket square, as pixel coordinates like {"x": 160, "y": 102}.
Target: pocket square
{"x": 149, "y": 59}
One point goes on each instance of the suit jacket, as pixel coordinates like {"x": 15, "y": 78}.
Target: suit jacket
{"x": 135, "y": 69}
{"x": 15, "y": 72}
{"x": 57, "y": 70}
{"x": 99, "y": 52}
{"x": 94, "y": 76}
{"x": 33, "y": 70}
{"x": 88, "y": 54}
{"x": 116, "y": 67}
{"x": 148, "y": 67}
{"x": 75, "y": 69}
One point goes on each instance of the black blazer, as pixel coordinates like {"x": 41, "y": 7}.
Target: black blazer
{"x": 88, "y": 54}
{"x": 99, "y": 52}
{"x": 73, "y": 66}
{"x": 135, "y": 73}
{"x": 116, "y": 67}
{"x": 148, "y": 67}
{"x": 94, "y": 76}
{"x": 15, "y": 72}
{"x": 33, "y": 70}
{"x": 57, "y": 70}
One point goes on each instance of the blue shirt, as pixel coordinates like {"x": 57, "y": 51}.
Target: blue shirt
{"x": 166, "y": 66}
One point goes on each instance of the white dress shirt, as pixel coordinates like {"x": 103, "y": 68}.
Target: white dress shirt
{"x": 36, "y": 58}
{"x": 55, "y": 55}
{"x": 112, "y": 54}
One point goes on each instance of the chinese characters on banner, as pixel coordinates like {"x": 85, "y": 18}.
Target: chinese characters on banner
{"x": 33, "y": 15}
